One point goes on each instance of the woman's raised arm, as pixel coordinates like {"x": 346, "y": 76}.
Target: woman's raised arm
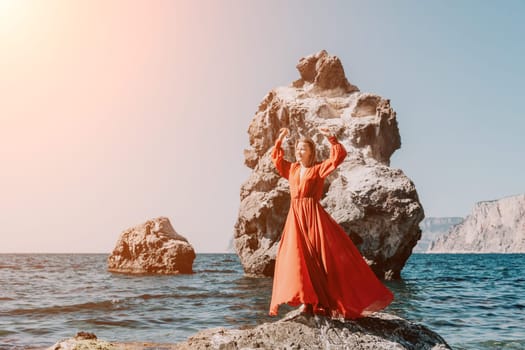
{"x": 337, "y": 154}
{"x": 282, "y": 165}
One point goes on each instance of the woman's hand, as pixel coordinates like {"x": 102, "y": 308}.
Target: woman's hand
{"x": 283, "y": 132}
{"x": 326, "y": 132}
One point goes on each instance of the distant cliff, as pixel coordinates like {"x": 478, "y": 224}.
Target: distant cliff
{"x": 493, "y": 227}
{"x": 432, "y": 228}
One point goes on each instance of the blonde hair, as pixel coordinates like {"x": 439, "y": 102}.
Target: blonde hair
{"x": 311, "y": 144}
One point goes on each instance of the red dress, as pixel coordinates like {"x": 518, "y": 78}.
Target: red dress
{"x": 317, "y": 263}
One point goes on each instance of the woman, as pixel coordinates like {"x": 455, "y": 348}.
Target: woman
{"x": 317, "y": 264}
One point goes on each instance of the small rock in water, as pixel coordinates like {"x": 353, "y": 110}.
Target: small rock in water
{"x": 85, "y": 336}
{"x": 153, "y": 247}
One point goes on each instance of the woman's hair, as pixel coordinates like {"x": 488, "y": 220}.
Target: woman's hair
{"x": 311, "y": 144}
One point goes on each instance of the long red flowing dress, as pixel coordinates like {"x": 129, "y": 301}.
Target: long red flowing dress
{"x": 317, "y": 263}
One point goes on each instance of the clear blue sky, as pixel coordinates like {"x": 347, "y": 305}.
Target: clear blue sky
{"x": 116, "y": 112}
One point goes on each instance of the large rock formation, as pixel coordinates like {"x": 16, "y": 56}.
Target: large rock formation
{"x": 295, "y": 331}
{"x": 493, "y": 227}
{"x": 432, "y": 228}
{"x": 377, "y": 205}
{"x": 152, "y": 247}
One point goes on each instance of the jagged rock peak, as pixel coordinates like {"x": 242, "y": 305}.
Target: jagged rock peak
{"x": 323, "y": 72}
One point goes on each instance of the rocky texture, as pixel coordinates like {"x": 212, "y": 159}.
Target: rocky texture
{"x": 152, "y": 247}
{"x": 89, "y": 341}
{"x": 432, "y": 228}
{"x": 493, "y": 227}
{"x": 377, "y": 205}
{"x": 296, "y": 331}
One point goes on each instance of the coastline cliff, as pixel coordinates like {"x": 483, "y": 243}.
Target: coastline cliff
{"x": 432, "y": 228}
{"x": 496, "y": 226}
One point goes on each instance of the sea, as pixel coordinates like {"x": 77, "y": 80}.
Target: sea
{"x": 474, "y": 301}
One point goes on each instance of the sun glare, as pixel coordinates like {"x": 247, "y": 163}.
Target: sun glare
{"x": 12, "y": 13}
{"x": 5, "y": 5}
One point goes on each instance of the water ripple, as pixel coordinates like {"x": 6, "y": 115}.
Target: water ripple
{"x": 473, "y": 301}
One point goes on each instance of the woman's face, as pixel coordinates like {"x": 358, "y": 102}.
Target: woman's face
{"x": 303, "y": 153}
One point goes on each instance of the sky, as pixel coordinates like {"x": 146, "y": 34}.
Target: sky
{"x": 116, "y": 112}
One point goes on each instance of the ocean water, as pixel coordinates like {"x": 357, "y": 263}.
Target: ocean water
{"x": 473, "y": 301}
